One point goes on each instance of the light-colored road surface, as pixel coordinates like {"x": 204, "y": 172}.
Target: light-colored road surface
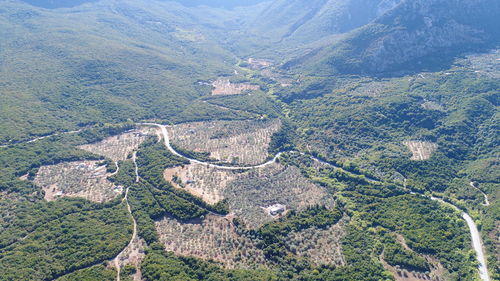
{"x": 136, "y": 169}
{"x": 166, "y": 140}
{"x": 486, "y": 201}
{"x": 478, "y": 247}
{"x": 44, "y": 137}
{"x": 475, "y": 237}
{"x": 134, "y": 233}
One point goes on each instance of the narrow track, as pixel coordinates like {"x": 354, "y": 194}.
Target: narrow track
{"x": 116, "y": 260}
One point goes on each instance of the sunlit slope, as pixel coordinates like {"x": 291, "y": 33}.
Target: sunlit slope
{"x": 415, "y": 35}
{"x": 101, "y": 63}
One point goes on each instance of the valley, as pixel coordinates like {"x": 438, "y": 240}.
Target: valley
{"x": 320, "y": 140}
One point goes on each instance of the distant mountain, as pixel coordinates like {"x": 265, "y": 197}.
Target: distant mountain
{"x": 220, "y": 3}
{"x": 417, "y": 34}
{"x": 312, "y": 20}
{"x": 53, "y": 4}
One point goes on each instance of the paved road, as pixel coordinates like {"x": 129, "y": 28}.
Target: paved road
{"x": 475, "y": 237}
{"x": 166, "y": 140}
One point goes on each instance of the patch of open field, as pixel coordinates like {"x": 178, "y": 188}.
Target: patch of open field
{"x": 252, "y": 192}
{"x": 486, "y": 64}
{"x": 320, "y": 246}
{"x": 223, "y": 86}
{"x": 238, "y": 142}
{"x": 119, "y": 147}
{"x": 200, "y": 180}
{"x": 258, "y": 63}
{"x": 213, "y": 238}
{"x": 437, "y": 271}
{"x": 133, "y": 255}
{"x": 421, "y": 150}
{"x": 77, "y": 179}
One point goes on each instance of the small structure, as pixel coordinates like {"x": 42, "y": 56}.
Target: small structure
{"x": 276, "y": 209}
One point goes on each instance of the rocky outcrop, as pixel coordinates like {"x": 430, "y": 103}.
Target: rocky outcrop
{"x": 416, "y": 34}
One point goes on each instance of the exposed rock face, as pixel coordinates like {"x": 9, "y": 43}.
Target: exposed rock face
{"x": 423, "y": 27}
{"x": 404, "y": 46}
{"x": 416, "y": 34}
{"x": 311, "y": 20}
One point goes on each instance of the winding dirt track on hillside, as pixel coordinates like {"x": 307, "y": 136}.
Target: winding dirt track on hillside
{"x": 475, "y": 236}
{"x": 116, "y": 260}
{"x": 486, "y": 201}
{"x": 166, "y": 140}
{"x": 43, "y": 137}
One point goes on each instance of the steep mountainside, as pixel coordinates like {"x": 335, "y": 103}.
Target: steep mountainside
{"x": 415, "y": 35}
{"x": 312, "y": 20}
{"x": 104, "y": 61}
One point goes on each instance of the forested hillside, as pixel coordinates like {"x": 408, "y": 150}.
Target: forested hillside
{"x": 319, "y": 140}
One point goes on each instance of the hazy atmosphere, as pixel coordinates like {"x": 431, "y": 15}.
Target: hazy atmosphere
{"x": 226, "y": 140}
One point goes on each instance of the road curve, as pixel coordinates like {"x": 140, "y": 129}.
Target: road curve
{"x": 116, "y": 260}
{"x": 486, "y": 201}
{"x": 475, "y": 237}
{"x": 166, "y": 140}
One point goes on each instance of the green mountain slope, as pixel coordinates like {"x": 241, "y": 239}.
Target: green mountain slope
{"x": 106, "y": 62}
{"x": 415, "y": 35}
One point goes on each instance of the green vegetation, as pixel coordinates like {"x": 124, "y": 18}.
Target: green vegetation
{"x": 272, "y": 234}
{"x": 98, "y": 272}
{"x": 68, "y": 243}
{"x": 101, "y": 72}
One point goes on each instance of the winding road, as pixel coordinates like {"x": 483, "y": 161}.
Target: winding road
{"x": 475, "y": 237}
{"x": 474, "y": 232}
{"x": 116, "y": 260}
{"x": 43, "y": 137}
{"x": 166, "y": 140}
{"x": 486, "y": 201}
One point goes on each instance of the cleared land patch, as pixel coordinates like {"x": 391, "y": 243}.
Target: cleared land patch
{"x": 258, "y": 63}
{"x": 421, "y": 150}
{"x": 250, "y": 193}
{"x": 133, "y": 255}
{"x": 238, "y": 142}
{"x": 77, "y": 179}
{"x": 213, "y": 238}
{"x": 255, "y": 190}
{"x": 119, "y": 147}
{"x": 223, "y": 86}
{"x": 320, "y": 246}
{"x": 200, "y": 180}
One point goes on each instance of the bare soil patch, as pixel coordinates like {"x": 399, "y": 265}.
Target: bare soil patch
{"x": 119, "y": 147}
{"x": 238, "y": 142}
{"x": 213, "y": 238}
{"x": 77, "y": 179}
{"x": 421, "y": 150}
{"x": 223, "y": 86}
{"x": 200, "y": 180}
{"x": 133, "y": 255}
{"x": 258, "y": 63}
